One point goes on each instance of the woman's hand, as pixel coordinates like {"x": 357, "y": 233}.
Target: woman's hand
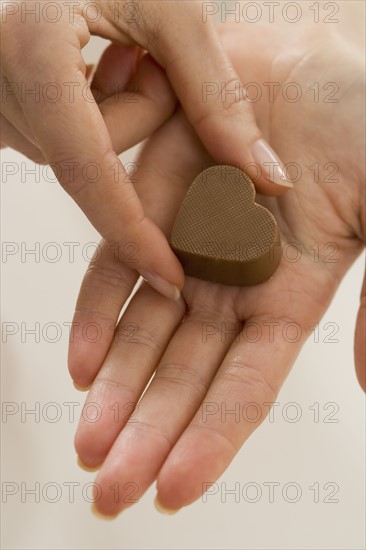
{"x": 222, "y": 348}
{"x": 49, "y": 113}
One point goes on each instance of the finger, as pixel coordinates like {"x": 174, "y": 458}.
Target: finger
{"x": 360, "y": 351}
{"x": 172, "y": 159}
{"x": 14, "y": 139}
{"x": 114, "y": 71}
{"x": 171, "y": 164}
{"x": 78, "y": 137}
{"x": 137, "y": 347}
{"x": 89, "y": 71}
{"x": 13, "y": 121}
{"x": 13, "y": 92}
{"x": 106, "y": 286}
{"x": 141, "y": 109}
{"x": 237, "y": 402}
{"x": 181, "y": 382}
{"x": 211, "y": 91}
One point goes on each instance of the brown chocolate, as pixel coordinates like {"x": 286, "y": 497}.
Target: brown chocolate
{"x": 221, "y": 234}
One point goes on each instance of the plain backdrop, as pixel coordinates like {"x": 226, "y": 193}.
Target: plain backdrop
{"x": 311, "y": 452}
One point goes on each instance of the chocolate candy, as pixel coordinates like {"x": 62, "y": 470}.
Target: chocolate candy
{"x": 221, "y": 234}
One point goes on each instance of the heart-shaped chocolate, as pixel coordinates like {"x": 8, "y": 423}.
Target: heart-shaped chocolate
{"x": 221, "y": 234}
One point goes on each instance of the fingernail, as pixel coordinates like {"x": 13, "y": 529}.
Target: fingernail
{"x": 273, "y": 168}
{"x": 81, "y": 388}
{"x": 161, "y": 285}
{"x": 87, "y": 468}
{"x": 160, "y": 508}
{"x": 96, "y": 512}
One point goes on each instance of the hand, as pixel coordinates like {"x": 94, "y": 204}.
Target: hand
{"x": 223, "y": 346}
{"x": 80, "y": 134}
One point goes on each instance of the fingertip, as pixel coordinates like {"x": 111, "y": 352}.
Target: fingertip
{"x": 359, "y": 341}
{"x": 79, "y": 368}
{"x": 87, "y": 468}
{"x": 88, "y": 346}
{"x": 81, "y": 388}
{"x": 158, "y": 283}
{"x": 268, "y": 171}
{"x": 164, "y": 509}
{"x": 360, "y": 356}
{"x": 361, "y": 377}
{"x": 157, "y": 263}
{"x": 100, "y": 515}
{"x": 270, "y": 189}
{"x": 114, "y": 70}
{"x": 84, "y": 453}
{"x": 153, "y": 79}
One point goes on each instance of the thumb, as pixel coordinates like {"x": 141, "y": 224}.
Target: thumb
{"x": 213, "y": 96}
{"x": 74, "y": 139}
{"x": 360, "y": 346}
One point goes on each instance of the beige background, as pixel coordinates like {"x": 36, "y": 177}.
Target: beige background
{"x": 304, "y": 452}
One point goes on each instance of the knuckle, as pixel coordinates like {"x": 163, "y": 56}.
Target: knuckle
{"x": 77, "y": 173}
{"x": 151, "y": 431}
{"x": 143, "y": 337}
{"x": 125, "y": 392}
{"x": 208, "y": 433}
{"x": 104, "y": 275}
{"x": 172, "y": 375}
{"x": 229, "y": 100}
{"x": 248, "y": 380}
{"x": 128, "y": 16}
{"x": 91, "y": 316}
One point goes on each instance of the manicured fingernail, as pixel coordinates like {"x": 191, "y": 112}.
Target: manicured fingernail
{"x": 273, "y": 168}
{"x": 161, "y": 285}
{"x": 102, "y": 516}
{"x": 81, "y": 388}
{"x": 87, "y": 468}
{"x": 160, "y": 508}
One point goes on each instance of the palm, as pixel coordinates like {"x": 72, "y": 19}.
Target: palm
{"x": 223, "y": 344}
{"x": 314, "y": 256}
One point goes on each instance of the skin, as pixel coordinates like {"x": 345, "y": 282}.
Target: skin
{"x": 85, "y": 131}
{"x": 168, "y": 437}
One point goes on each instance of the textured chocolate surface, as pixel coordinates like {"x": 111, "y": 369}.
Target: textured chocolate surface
{"x": 221, "y": 234}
